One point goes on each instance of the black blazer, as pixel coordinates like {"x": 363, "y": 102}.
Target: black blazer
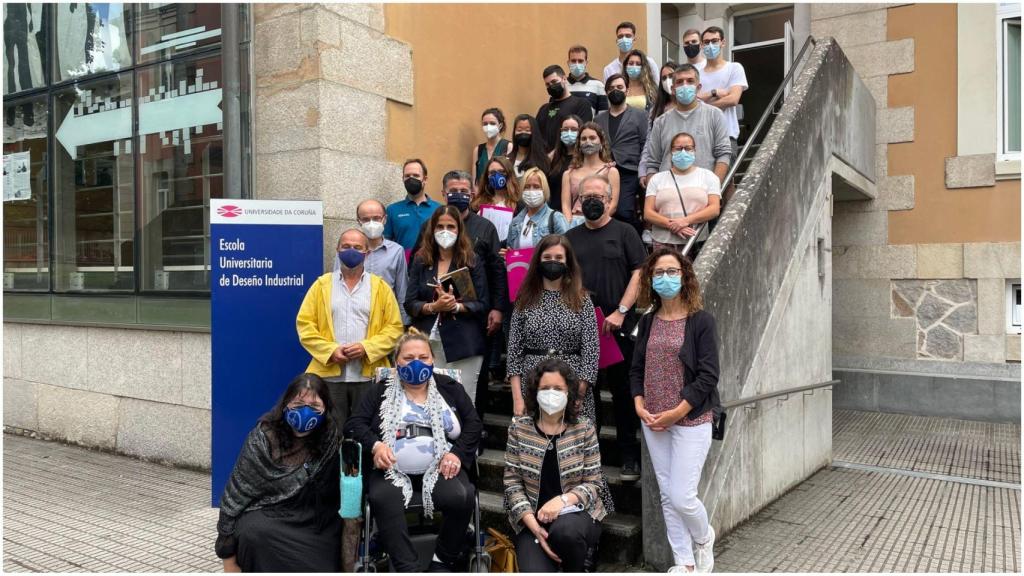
{"x": 629, "y": 140}
{"x": 363, "y": 425}
{"x": 462, "y": 335}
{"x": 699, "y": 356}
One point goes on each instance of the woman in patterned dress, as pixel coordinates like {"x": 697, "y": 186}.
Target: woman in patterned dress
{"x": 676, "y": 357}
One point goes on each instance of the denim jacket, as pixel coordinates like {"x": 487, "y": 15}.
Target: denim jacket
{"x": 540, "y": 222}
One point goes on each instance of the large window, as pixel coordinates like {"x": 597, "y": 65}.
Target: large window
{"x": 122, "y": 126}
{"x": 1009, "y": 79}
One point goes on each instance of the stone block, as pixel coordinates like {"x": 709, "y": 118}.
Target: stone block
{"x": 292, "y": 175}
{"x": 12, "y": 350}
{"x": 939, "y": 343}
{"x": 822, "y": 10}
{"x": 347, "y": 179}
{"x": 389, "y": 72}
{"x": 263, "y": 12}
{"x": 196, "y": 370}
{"x": 984, "y": 348}
{"x": 852, "y": 29}
{"x": 860, "y": 229}
{"x": 369, "y": 14}
{"x": 991, "y": 260}
{"x": 881, "y": 160}
{"x": 883, "y": 58}
{"x": 55, "y": 355}
{"x": 971, "y": 171}
{"x": 892, "y": 338}
{"x": 894, "y": 193}
{"x": 278, "y": 47}
{"x": 852, "y": 297}
{"x": 879, "y": 88}
{"x": 352, "y": 121}
{"x": 894, "y": 125}
{"x": 991, "y": 306}
{"x": 1013, "y": 347}
{"x": 78, "y": 416}
{"x": 289, "y": 119}
{"x": 164, "y": 432}
{"x": 318, "y": 25}
{"x": 940, "y": 260}
{"x": 135, "y": 363}
{"x": 20, "y": 404}
{"x": 893, "y": 261}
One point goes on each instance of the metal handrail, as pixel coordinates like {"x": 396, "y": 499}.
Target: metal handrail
{"x": 769, "y": 395}
{"x": 753, "y": 134}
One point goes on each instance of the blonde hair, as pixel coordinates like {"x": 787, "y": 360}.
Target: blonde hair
{"x": 534, "y": 171}
{"x": 411, "y": 335}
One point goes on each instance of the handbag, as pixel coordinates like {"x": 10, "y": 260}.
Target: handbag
{"x": 351, "y": 453}
{"x": 718, "y": 423}
{"x": 503, "y": 553}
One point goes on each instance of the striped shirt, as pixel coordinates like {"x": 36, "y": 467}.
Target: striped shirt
{"x": 579, "y": 462}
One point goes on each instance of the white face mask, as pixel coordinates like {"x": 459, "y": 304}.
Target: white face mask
{"x": 490, "y": 130}
{"x": 667, "y": 84}
{"x": 372, "y": 229}
{"x": 445, "y": 238}
{"x": 533, "y": 197}
{"x": 552, "y": 401}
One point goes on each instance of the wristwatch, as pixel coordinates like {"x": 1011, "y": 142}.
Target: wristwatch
{"x": 623, "y": 310}
{"x": 714, "y": 93}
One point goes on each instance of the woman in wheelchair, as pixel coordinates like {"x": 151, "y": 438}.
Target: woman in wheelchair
{"x": 553, "y": 475}
{"x": 278, "y": 512}
{"x": 423, "y": 433}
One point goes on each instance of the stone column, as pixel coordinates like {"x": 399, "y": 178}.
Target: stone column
{"x": 323, "y": 75}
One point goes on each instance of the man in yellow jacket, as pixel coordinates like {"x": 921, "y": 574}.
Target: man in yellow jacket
{"x": 349, "y": 322}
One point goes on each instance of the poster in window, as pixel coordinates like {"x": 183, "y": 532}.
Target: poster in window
{"x": 17, "y": 181}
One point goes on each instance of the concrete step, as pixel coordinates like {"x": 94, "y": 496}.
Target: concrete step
{"x": 496, "y": 426}
{"x": 499, "y": 401}
{"x": 621, "y": 534}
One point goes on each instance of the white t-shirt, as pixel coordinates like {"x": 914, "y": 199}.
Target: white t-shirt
{"x": 694, "y": 187}
{"x": 732, "y": 74}
{"x": 415, "y": 455}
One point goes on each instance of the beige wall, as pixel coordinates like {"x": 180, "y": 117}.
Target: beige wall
{"x": 468, "y": 57}
{"x": 940, "y": 215}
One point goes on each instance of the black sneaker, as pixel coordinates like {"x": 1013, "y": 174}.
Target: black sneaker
{"x": 436, "y": 566}
{"x": 630, "y": 472}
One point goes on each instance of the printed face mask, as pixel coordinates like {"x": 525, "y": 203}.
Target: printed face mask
{"x": 303, "y": 419}
{"x": 416, "y": 372}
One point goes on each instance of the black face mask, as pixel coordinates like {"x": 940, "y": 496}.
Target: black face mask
{"x": 552, "y": 269}
{"x": 691, "y": 50}
{"x": 522, "y": 139}
{"x": 616, "y": 97}
{"x": 593, "y": 209}
{"x": 556, "y": 90}
{"x": 413, "y": 186}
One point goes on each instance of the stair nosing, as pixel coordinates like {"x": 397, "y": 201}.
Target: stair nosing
{"x": 616, "y": 523}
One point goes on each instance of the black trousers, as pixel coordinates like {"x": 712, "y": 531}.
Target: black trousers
{"x": 627, "y": 423}
{"x": 454, "y": 498}
{"x": 631, "y": 206}
{"x": 345, "y": 396}
{"x": 569, "y": 536}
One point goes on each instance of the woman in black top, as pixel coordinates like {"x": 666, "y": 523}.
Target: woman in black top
{"x": 527, "y": 146}
{"x": 561, "y": 156}
{"x": 279, "y": 509}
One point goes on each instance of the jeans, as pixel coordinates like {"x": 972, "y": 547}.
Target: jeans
{"x": 470, "y": 367}
{"x": 678, "y": 455}
{"x": 569, "y": 537}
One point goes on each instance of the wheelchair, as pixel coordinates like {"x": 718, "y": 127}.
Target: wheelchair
{"x": 422, "y": 530}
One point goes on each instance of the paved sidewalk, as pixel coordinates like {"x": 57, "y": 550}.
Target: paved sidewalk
{"x": 905, "y": 494}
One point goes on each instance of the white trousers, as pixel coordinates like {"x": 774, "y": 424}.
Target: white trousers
{"x": 678, "y": 455}
{"x": 470, "y": 367}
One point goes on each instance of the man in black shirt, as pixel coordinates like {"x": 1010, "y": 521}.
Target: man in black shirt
{"x": 561, "y": 104}
{"x": 611, "y": 254}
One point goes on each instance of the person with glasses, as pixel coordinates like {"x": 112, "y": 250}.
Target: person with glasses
{"x": 681, "y": 198}
{"x": 692, "y": 49}
{"x": 279, "y": 508}
{"x": 383, "y": 257}
{"x": 406, "y": 217}
{"x": 674, "y": 383}
{"x": 349, "y": 323}
{"x": 610, "y": 255}
{"x": 722, "y": 81}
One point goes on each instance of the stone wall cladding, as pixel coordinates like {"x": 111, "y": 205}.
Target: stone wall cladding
{"x": 945, "y": 311}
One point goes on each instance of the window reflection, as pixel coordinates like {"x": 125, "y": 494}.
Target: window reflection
{"x": 26, "y": 232}
{"x": 24, "y": 46}
{"x": 92, "y": 37}
{"x": 169, "y": 29}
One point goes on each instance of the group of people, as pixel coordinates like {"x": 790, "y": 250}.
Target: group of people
{"x": 422, "y": 287}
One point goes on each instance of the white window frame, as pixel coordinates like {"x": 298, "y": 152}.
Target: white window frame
{"x": 749, "y": 12}
{"x": 1013, "y": 311}
{"x": 1004, "y": 13}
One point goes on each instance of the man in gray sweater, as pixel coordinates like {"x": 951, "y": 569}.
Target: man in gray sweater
{"x": 702, "y": 121}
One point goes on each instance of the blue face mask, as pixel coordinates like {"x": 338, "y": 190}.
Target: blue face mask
{"x": 577, "y": 70}
{"x": 711, "y": 51}
{"x": 682, "y": 159}
{"x": 416, "y": 372}
{"x": 633, "y": 71}
{"x": 625, "y": 44}
{"x": 497, "y": 180}
{"x": 351, "y": 258}
{"x": 460, "y": 201}
{"x": 667, "y": 287}
{"x": 568, "y": 137}
{"x": 685, "y": 94}
{"x": 303, "y": 418}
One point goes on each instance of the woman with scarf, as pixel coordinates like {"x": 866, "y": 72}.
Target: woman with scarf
{"x": 279, "y": 509}
{"x": 422, "y": 433}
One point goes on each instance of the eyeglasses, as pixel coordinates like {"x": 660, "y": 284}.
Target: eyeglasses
{"x": 457, "y": 191}
{"x": 371, "y": 219}
{"x": 586, "y": 197}
{"x": 714, "y": 41}
{"x": 297, "y": 405}
{"x": 687, "y": 148}
{"x": 670, "y": 272}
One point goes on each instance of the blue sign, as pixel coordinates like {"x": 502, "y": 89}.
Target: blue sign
{"x": 265, "y": 254}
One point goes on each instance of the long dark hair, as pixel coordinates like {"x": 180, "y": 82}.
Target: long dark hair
{"x": 533, "y": 384}
{"x": 537, "y": 156}
{"x": 462, "y": 251}
{"x": 690, "y": 291}
{"x": 606, "y": 147}
{"x": 564, "y": 154}
{"x": 532, "y": 287}
{"x": 486, "y": 193}
{"x": 282, "y": 432}
{"x": 664, "y": 98}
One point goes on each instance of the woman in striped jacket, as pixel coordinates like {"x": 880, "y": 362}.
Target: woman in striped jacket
{"x": 553, "y": 475}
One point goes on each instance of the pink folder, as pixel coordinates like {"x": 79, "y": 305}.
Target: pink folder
{"x": 517, "y": 262}
{"x": 610, "y": 352}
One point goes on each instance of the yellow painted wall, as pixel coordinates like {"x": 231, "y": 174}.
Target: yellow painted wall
{"x": 469, "y": 57}
{"x": 989, "y": 214}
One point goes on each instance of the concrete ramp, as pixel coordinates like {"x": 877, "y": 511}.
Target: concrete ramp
{"x": 766, "y": 276}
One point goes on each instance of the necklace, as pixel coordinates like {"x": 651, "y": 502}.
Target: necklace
{"x": 552, "y": 437}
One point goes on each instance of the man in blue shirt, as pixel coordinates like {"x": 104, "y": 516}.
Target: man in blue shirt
{"x": 406, "y": 217}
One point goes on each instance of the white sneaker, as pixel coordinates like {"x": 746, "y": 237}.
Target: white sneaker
{"x": 680, "y": 568}
{"x": 705, "y": 553}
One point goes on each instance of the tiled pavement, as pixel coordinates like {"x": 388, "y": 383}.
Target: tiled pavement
{"x": 67, "y": 509}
